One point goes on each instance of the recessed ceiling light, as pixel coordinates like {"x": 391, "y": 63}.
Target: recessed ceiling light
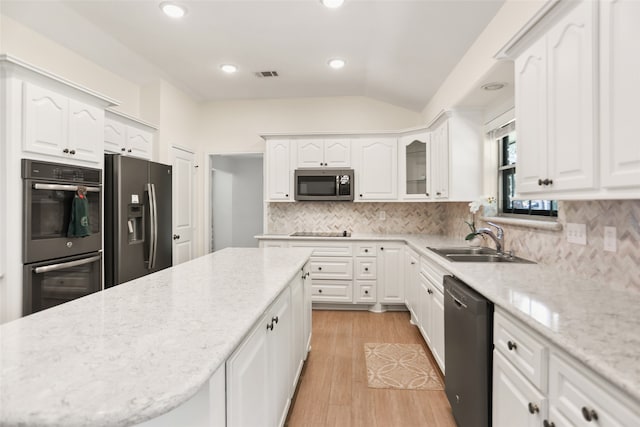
{"x": 332, "y": 4}
{"x": 173, "y": 10}
{"x": 229, "y": 68}
{"x": 493, "y": 86}
{"x": 336, "y": 63}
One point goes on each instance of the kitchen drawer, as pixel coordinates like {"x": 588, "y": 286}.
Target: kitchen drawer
{"x": 366, "y": 268}
{"x": 433, "y": 272}
{"x": 325, "y": 248}
{"x": 576, "y": 394}
{"x": 331, "y": 268}
{"x": 522, "y": 348}
{"x": 366, "y": 249}
{"x": 332, "y": 290}
{"x": 274, "y": 244}
{"x": 366, "y": 291}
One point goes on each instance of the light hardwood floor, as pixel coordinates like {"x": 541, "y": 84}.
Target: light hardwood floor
{"x": 333, "y": 388}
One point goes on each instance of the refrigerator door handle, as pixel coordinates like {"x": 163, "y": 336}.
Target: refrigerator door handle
{"x": 155, "y": 225}
{"x": 152, "y": 220}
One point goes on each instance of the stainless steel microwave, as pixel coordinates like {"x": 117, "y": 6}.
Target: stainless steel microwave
{"x": 325, "y": 184}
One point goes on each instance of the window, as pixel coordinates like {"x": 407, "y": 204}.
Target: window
{"x": 508, "y": 156}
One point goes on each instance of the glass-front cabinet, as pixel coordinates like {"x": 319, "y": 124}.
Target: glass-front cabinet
{"x": 415, "y": 180}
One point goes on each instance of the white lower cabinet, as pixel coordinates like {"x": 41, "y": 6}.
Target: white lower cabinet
{"x": 431, "y": 317}
{"x": 536, "y": 383}
{"x": 258, "y": 373}
{"x": 390, "y": 265}
{"x": 411, "y": 272}
{"x": 516, "y": 402}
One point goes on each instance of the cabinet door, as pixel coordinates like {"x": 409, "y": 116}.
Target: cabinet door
{"x": 307, "y": 308}
{"x": 516, "y": 402}
{"x": 86, "y": 131}
{"x": 297, "y": 329}
{"x": 531, "y": 116}
{"x": 583, "y": 399}
{"x": 571, "y": 92}
{"x": 337, "y": 153}
{"x": 411, "y": 282}
{"x": 279, "y": 344}
{"x": 310, "y": 153}
{"x": 278, "y": 171}
{"x": 440, "y": 163}
{"x": 378, "y": 165}
{"x": 45, "y": 121}
{"x": 415, "y": 179}
{"x": 390, "y": 273}
{"x": 619, "y": 93}
{"x": 139, "y": 143}
{"x": 437, "y": 326}
{"x": 115, "y": 134}
{"x": 424, "y": 309}
{"x": 248, "y": 387}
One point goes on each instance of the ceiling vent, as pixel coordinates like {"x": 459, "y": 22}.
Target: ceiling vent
{"x": 262, "y": 74}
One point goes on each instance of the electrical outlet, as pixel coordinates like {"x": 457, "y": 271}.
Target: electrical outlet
{"x": 382, "y": 215}
{"x": 577, "y": 233}
{"x": 610, "y": 239}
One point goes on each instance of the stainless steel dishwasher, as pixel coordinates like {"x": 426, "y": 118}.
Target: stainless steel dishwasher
{"x": 468, "y": 334}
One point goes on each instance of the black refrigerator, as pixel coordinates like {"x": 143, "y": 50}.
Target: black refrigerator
{"x": 137, "y": 218}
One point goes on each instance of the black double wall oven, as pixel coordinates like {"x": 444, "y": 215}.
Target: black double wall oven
{"x": 58, "y": 268}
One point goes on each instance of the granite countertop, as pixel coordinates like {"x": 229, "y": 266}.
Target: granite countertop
{"x": 590, "y": 320}
{"x": 137, "y": 350}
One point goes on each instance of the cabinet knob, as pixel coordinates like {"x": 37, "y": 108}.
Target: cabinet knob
{"x": 429, "y": 291}
{"x": 546, "y": 423}
{"x": 129, "y": 150}
{"x": 512, "y": 345}
{"x": 438, "y": 193}
{"x": 123, "y": 149}
{"x": 275, "y": 319}
{"x": 545, "y": 181}
{"x": 589, "y": 414}
{"x": 540, "y": 184}
{"x": 286, "y": 195}
{"x": 319, "y": 268}
{"x": 321, "y": 164}
{"x": 533, "y": 408}
{"x": 366, "y": 292}
{"x": 366, "y": 250}
{"x": 72, "y": 152}
{"x": 361, "y": 195}
{"x": 413, "y": 263}
{"x": 366, "y": 269}
{"x": 427, "y": 194}
{"x": 381, "y": 248}
{"x": 176, "y": 236}
{"x": 270, "y": 326}
{"x": 319, "y": 291}
{"x": 65, "y": 151}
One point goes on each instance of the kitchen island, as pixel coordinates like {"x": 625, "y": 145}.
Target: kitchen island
{"x": 137, "y": 350}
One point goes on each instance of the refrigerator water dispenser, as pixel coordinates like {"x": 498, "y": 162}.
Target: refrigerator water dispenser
{"x": 135, "y": 224}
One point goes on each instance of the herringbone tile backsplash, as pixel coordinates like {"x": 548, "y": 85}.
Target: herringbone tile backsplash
{"x": 619, "y": 270}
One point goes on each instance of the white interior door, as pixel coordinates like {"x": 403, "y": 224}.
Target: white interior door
{"x": 183, "y": 170}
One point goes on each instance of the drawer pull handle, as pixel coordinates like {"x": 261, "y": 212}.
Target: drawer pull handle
{"x": 275, "y": 319}
{"x": 270, "y": 326}
{"x": 546, "y": 423}
{"x": 413, "y": 263}
{"x": 589, "y": 414}
{"x": 533, "y": 408}
{"x": 512, "y": 345}
{"x": 429, "y": 291}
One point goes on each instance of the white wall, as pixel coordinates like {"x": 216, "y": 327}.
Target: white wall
{"x": 478, "y": 60}
{"x": 247, "y": 201}
{"x": 235, "y": 126}
{"x": 28, "y": 45}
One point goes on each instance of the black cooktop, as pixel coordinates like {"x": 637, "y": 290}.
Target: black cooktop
{"x": 321, "y": 234}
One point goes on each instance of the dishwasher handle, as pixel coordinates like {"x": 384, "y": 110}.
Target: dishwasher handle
{"x": 456, "y": 300}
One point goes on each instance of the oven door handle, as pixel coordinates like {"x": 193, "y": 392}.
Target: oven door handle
{"x": 63, "y": 187}
{"x": 63, "y": 265}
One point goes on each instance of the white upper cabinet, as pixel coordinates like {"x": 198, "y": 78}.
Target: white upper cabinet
{"x": 555, "y": 107}
{"x": 59, "y": 126}
{"x": 315, "y": 153}
{"x": 619, "y": 93}
{"x": 440, "y": 162}
{"x": 377, "y": 169}
{"x": 128, "y": 136}
{"x": 414, "y": 167}
{"x": 278, "y": 171}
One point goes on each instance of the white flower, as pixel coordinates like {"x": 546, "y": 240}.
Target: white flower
{"x": 474, "y": 206}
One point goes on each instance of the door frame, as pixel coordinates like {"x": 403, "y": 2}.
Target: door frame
{"x": 207, "y": 192}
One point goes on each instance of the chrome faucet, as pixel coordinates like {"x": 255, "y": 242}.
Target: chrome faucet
{"x": 496, "y": 238}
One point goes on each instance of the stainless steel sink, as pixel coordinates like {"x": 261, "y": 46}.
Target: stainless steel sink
{"x": 480, "y": 254}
